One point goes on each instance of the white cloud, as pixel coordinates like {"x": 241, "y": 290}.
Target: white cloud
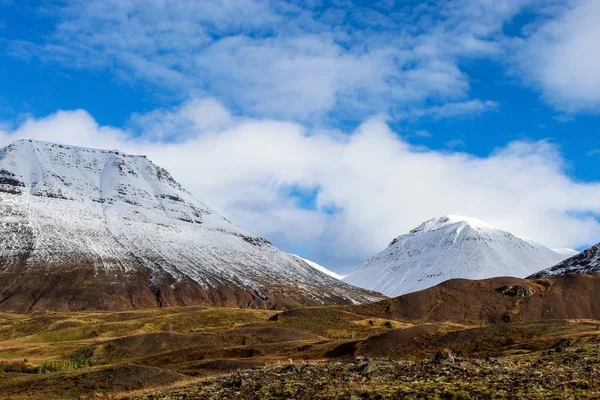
{"x": 593, "y": 152}
{"x": 380, "y": 185}
{"x": 455, "y": 144}
{"x": 560, "y": 56}
{"x": 197, "y": 115}
{"x": 422, "y": 133}
{"x": 293, "y": 61}
{"x": 281, "y": 59}
{"x": 468, "y": 108}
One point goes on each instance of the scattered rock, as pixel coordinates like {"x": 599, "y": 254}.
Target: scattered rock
{"x": 563, "y": 345}
{"x": 516, "y": 290}
{"x": 365, "y": 368}
{"x": 234, "y": 383}
{"x": 443, "y": 356}
{"x": 465, "y": 378}
{"x": 288, "y": 369}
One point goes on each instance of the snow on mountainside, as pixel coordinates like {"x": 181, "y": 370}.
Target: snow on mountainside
{"x": 84, "y": 228}
{"x": 321, "y": 268}
{"x": 586, "y": 262}
{"x": 566, "y": 252}
{"x": 449, "y": 247}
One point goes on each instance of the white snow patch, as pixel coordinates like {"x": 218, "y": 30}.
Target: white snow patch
{"x": 321, "y": 268}
{"x": 566, "y": 252}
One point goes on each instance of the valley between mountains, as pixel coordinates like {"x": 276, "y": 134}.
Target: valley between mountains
{"x": 117, "y": 283}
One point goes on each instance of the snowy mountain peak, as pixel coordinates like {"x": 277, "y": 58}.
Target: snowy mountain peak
{"x": 123, "y": 225}
{"x": 79, "y": 170}
{"x": 454, "y": 222}
{"x": 449, "y": 247}
{"x": 31, "y": 147}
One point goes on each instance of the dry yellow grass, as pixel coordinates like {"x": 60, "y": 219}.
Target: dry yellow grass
{"x": 116, "y": 355}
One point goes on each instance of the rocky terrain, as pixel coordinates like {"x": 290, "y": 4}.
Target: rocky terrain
{"x": 570, "y": 374}
{"x": 586, "y": 262}
{"x": 87, "y": 229}
{"x": 449, "y": 247}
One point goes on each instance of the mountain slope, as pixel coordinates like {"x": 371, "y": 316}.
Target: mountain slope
{"x": 494, "y": 300}
{"x": 96, "y": 229}
{"x": 449, "y": 247}
{"x": 586, "y": 262}
{"x": 566, "y": 252}
{"x": 321, "y": 268}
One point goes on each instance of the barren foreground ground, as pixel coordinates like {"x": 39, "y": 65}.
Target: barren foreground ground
{"x": 308, "y": 353}
{"x": 573, "y": 374}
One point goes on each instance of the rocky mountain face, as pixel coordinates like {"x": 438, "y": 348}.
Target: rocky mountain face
{"x": 586, "y": 262}
{"x": 96, "y": 229}
{"x": 449, "y": 247}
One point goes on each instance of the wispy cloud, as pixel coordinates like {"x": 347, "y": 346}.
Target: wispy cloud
{"x": 422, "y": 133}
{"x": 593, "y": 152}
{"x": 469, "y": 108}
{"x": 286, "y": 59}
{"x": 455, "y": 144}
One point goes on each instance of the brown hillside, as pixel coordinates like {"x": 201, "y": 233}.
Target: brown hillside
{"x": 81, "y": 286}
{"x": 75, "y": 355}
{"x": 493, "y": 339}
{"x": 495, "y": 300}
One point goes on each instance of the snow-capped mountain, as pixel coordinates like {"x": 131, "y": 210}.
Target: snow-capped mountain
{"x": 449, "y": 247}
{"x": 586, "y": 262}
{"x": 321, "y": 268}
{"x": 96, "y": 229}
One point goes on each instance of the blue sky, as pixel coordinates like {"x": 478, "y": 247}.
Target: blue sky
{"x": 411, "y": 94}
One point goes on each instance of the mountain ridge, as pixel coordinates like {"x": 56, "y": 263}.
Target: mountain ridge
{"x": 586, "y": 262}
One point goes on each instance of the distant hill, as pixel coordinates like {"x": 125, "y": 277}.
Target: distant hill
{"x": 495, "y": 300}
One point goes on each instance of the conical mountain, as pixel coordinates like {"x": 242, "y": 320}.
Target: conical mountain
{"x": 449, "y": 247}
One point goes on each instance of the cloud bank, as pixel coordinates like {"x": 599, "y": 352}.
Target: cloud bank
{"x": 365, "y": 187}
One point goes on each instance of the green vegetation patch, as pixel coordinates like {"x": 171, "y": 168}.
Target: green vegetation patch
{"x": 68, "y": 335}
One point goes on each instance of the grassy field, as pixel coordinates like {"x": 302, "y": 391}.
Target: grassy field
{"x": 168, "y": 351}
{"x": 69, "y": 355}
